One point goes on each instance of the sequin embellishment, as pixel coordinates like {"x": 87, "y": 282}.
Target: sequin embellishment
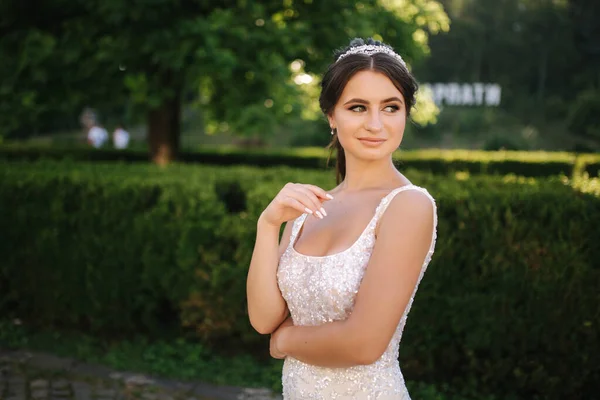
{"x": 322, "y": 289}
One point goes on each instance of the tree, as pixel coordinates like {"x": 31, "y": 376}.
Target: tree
{"x": 232, "y": 56}
{"x": 543, "y": 53}
{"x": 585, "y": 15}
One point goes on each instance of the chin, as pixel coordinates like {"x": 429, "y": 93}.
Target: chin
{"x": 375, "y": 154}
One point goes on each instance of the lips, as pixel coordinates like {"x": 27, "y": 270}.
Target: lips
{"x": 371, "y": 141}
{"x": 374, "y": 140}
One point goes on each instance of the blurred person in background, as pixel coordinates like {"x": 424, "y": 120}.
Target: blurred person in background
{"x": 87, "y": 119}
{"x": 334, "y": 293}
{"x": 120, "y": 137}
{"x": 97, "y": 136}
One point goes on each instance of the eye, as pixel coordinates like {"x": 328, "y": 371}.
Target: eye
{"x": 391, "y": 109}
{"x": 357, "y": 108}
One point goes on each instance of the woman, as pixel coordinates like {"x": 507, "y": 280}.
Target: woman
{"x": 335, "y": 292}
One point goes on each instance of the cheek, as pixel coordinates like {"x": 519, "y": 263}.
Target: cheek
{"x": 342, "y": 139}
{"x": 397, "y": 124}
{"x": 397, "y": 129}
{"x": 346, "y": 119}
{"x": 347, "y": 127}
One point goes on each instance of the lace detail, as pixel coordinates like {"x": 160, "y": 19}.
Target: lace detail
{"x": 321, "y": 289}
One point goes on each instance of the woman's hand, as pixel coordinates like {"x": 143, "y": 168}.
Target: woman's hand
{"x": 294, "y": 200}
{"x": 276, "y": 337}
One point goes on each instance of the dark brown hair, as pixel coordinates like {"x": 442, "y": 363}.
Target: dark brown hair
{"x": 340, "y": 72}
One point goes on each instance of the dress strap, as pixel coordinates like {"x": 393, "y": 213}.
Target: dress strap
{"x": 298, "y": 222}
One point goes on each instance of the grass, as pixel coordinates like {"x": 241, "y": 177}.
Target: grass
{"x": 177, "y": 359}
{"x": 182, "y": 360}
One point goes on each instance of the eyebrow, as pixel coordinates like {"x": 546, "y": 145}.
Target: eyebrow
{"x": 361, "y": 101}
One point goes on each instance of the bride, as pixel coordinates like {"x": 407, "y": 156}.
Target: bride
{"x": 335, "y": 291}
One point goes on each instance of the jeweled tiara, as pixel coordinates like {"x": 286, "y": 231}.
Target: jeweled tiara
{"x": 370, "y": 49}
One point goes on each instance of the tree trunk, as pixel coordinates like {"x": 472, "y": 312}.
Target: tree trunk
{"x": 163, "y": 131}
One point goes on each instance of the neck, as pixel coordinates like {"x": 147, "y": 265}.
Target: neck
{"x": 362, "y": 175}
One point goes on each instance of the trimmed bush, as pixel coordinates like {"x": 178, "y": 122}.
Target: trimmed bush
{"x": 592, "y": 168}
{"x": 532, "y": 164}
{"x": 509, "y": 303}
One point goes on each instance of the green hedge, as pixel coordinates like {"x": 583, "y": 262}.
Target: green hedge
{"x": 509, "y": 303}
{"x": 590, "y": 164}
{"x": 532, "y": 164}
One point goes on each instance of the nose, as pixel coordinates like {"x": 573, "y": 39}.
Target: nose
{"x": 373, "y": 122}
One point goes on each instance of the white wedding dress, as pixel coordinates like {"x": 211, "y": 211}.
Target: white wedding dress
{"x": 322, "y": 289}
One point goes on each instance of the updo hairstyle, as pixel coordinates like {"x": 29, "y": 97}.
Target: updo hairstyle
{"x": 343, "y": 69}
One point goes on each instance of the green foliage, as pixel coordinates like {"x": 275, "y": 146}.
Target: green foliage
{"x": 501, "y": 142}
{"x": 439, "y": 162}
{"x": 532, "y": 164}
{"x": 585, "y": 184}
{"x": 182, "y": 359}
{"x": 515, "y": 268}
{"x": 116, "y": 55}
{"x": 584, "y": 116}
{"x": 593, "y": 169}
{"x": 175, "y": 358}
{"x": 542, "y": 53}
{"x": 508, "y": 305}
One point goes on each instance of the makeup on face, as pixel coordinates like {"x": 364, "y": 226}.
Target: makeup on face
{"x": 372, "y": 142}
{"x": 370, "y": 112}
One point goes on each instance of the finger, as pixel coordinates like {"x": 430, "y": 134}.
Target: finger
{"x": 313, "y": 201}
{"x": 294, "y": 203}
{"x": 309, "y": 195}
{"x": 319, "y": 192}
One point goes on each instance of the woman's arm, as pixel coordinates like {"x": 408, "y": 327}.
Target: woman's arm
{"x": 403, "y": 241}
{"x": 266, "y": 307}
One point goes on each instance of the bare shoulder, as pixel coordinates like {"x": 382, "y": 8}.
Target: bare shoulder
{"x": 414, "y": 198}
{"x": 409, "y": 208}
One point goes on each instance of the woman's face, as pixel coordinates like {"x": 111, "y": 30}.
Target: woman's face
{"x": 369, "y": 116}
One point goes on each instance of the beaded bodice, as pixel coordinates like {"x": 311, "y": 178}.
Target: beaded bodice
{"x": 322, "y": 289}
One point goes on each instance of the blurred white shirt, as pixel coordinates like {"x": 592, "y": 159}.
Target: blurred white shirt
{"x": 97, "y": 136}
{"x": 120, "y": 138}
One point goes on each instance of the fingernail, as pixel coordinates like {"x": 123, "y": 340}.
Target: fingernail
{"x": 330, "y": 197}
{"x": 323, "y": 211}
{"x": 319, "y": 215}
{"x": 308, "y": 210}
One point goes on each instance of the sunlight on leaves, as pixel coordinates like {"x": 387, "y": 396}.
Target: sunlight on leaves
{"x": 425, "y": 111}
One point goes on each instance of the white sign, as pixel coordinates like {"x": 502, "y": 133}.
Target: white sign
{"x": 465, "y": 94}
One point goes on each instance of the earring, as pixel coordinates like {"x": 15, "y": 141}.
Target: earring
{"x": 333, "y": 131}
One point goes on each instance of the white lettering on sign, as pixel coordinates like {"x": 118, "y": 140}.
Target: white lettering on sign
{"x": 465, "y": 94}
